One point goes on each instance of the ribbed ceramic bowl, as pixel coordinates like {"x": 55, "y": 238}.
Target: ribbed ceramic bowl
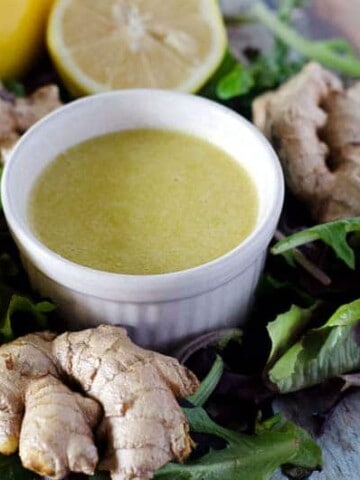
{"x": 159, "y": 310}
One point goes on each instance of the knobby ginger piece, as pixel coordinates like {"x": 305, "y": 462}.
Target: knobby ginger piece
{"x": 62, "y": 441}
{"x": 300, "y": 119}
{"x": 30, "y": 109}
{"x": 342, "y": 135}
{"x": 18, "y": 114}
{"x": 50, "y": 422}
{"x": 143, "y": 426}
{"x": 8, "y": 124}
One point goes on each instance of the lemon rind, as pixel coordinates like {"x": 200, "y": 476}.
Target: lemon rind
{"x": 79, "y": 83}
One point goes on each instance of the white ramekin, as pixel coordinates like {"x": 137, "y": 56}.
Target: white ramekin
{"x": 159, "y": 310}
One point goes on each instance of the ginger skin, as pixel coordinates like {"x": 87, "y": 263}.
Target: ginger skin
{"x": 52, "y": 442}
{"x": 142, "y": 426}
{"x": 18, "y": 114}
{"x": 62, "y": 442}
{"x": 311, "y": 121}
{"x": 16, "y": 374}
{"x": 342, "y": 135}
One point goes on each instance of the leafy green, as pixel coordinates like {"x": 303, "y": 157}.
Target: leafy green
{"x": 272, "y": 68}
{"x": 228, "y": 63}
{"x": 15, "y": 87}
{"x": 245, "y": 457}
{"x": 334, "y": 234}
{"x": 36, "y": 315}
{"x": 202, "y": 394}
{"x": 285, "y": 330}
{"x": 19, "y": 313}
{"x": 239, "y": 81}
{"x": 254, "y": 457}
{"x": 266, "y": 72}
{"x": 321, "y": 353}
{"x": 334, "y": 53}
{"x": 270, "y": 286}
{"x": 12, "y": 469}
{"x": 308, "y": 455}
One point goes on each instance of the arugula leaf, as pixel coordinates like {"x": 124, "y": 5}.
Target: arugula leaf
{"x": 36, "y": 315}
{"x": 285, "y": 330}
{"x": 273, "y": 67}
{"x": 202, "y": 394}
{"x": 12, "y": 469}
{"x": 245, "y": 457}
{"x": 286, "y": 8}
{"x": 334, "y": 53}
{"x": 308, "y": 455}
{"x": 321, "y": 353}
{"x": 269, "y": 286}
{"x": 227, "y": 65}
{"x": 266, "y": 71}
{"x": 334, "y": 234}
{"x": 239, "y": 81}
{"x": 18, "y": 313}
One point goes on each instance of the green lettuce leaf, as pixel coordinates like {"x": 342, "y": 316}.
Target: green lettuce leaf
{"x": 321, "y": 353}
{"x": 334, "y": 234}
{"x": 246, "y": 457}
{"x": 285, "y": 330}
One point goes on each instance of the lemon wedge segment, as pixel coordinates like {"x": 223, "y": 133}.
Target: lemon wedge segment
{"x": 100, "y": 45}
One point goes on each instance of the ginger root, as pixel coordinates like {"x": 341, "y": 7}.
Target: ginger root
{"x": 55, "y": 434}
{"x": 313, "y": 124}
{"x": 142, "y": 427}
{"x": 18, "y": 114}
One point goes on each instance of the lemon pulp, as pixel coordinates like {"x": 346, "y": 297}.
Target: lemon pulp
{"x": 99, "y": 45}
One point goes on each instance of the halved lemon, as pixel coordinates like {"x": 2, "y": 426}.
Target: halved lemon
{"x": 100, "y": 45}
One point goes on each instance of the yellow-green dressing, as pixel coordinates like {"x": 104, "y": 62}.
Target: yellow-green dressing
{"x": 143, "y": 202}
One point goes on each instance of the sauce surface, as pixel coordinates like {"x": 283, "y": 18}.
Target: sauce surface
{"x": 143, "y": 202}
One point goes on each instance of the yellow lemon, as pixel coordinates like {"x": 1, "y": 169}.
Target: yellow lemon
{"x": 99, "y": 45}
{"x": 22, "y": 32}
